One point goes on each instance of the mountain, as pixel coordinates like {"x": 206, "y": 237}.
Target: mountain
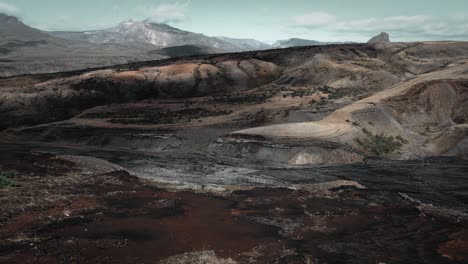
{"x": 26, "y": 50}
{"x": 383, "y": 37}
{"x": 247, "y": 44}
{"x": 11, "y": 29}
{"x": 295, "y": 42}
{"x": 160, "y": 35}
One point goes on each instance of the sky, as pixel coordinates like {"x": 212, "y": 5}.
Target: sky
{"x": 331, "y": 20}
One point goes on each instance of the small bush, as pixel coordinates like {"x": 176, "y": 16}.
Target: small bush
{"x": 367, "y": 132}
{"x": 402, "y": 140}
{"x": 380, "y": 144}
{"x": 5, "y": 178}
{"x": 302, "y": 92}
{"x": 322, "y": 102}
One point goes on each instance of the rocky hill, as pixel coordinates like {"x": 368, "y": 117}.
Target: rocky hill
{"x": 426, "y": 116}
{"x": 383, "y": 37}
{"x": 332, "y": 103}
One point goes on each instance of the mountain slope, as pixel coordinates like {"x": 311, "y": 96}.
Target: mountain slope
{"x": 11, "y": 29}
{"x": 295, "y": 42}
{"x": 247, "y": 44}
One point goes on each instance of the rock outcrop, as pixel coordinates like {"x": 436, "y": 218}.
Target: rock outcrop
{"x": 383, "y": 37}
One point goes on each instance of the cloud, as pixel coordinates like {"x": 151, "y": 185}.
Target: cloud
{"x": 8, "y": 8}
{"x": 383, "y": 24}
{"x": 173, "y": 12}
{"x": 403, "y": 28}
{"x": 313, "y": 19}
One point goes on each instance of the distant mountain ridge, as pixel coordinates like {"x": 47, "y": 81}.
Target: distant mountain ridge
{"x": 159, "y": 35}
{"x": 164, "y": 36}
{"x": 295, "y": 42}
{"x": 26, "y": 50}
{"x": 247, "y": 44}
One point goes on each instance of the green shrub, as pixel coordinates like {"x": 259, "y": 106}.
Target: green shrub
{"x": 5, "y": 178}
{"x": 302, "y": 92}
{"x": 380, "y": 144}
{"x": 322, "y": 102}
{"x": 337, "y": 93}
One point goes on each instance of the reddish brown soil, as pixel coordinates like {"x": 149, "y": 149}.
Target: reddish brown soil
{"x": 60, "y": 214}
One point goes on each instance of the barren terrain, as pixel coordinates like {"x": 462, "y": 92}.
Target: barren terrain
{"x": 339, "y": 102}
{"x": 65, "y": 209}
{"x": 349, "y": 153}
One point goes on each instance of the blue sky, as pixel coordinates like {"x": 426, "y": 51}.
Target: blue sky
{"x": 331, "y": 20}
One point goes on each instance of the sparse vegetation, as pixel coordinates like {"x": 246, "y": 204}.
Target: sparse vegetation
{"x": 341, "y": 92}
{"x": 248, "y": 98}
{"x": 329, "y": 92}
{"x": 380, "y": 144}
{"x": 157, "y": 115}
{"x": 402, "y": 140}
{"x": 6, "y": 178}
{"x": 322, "y": 102}
{"x": 302, "y": 92}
